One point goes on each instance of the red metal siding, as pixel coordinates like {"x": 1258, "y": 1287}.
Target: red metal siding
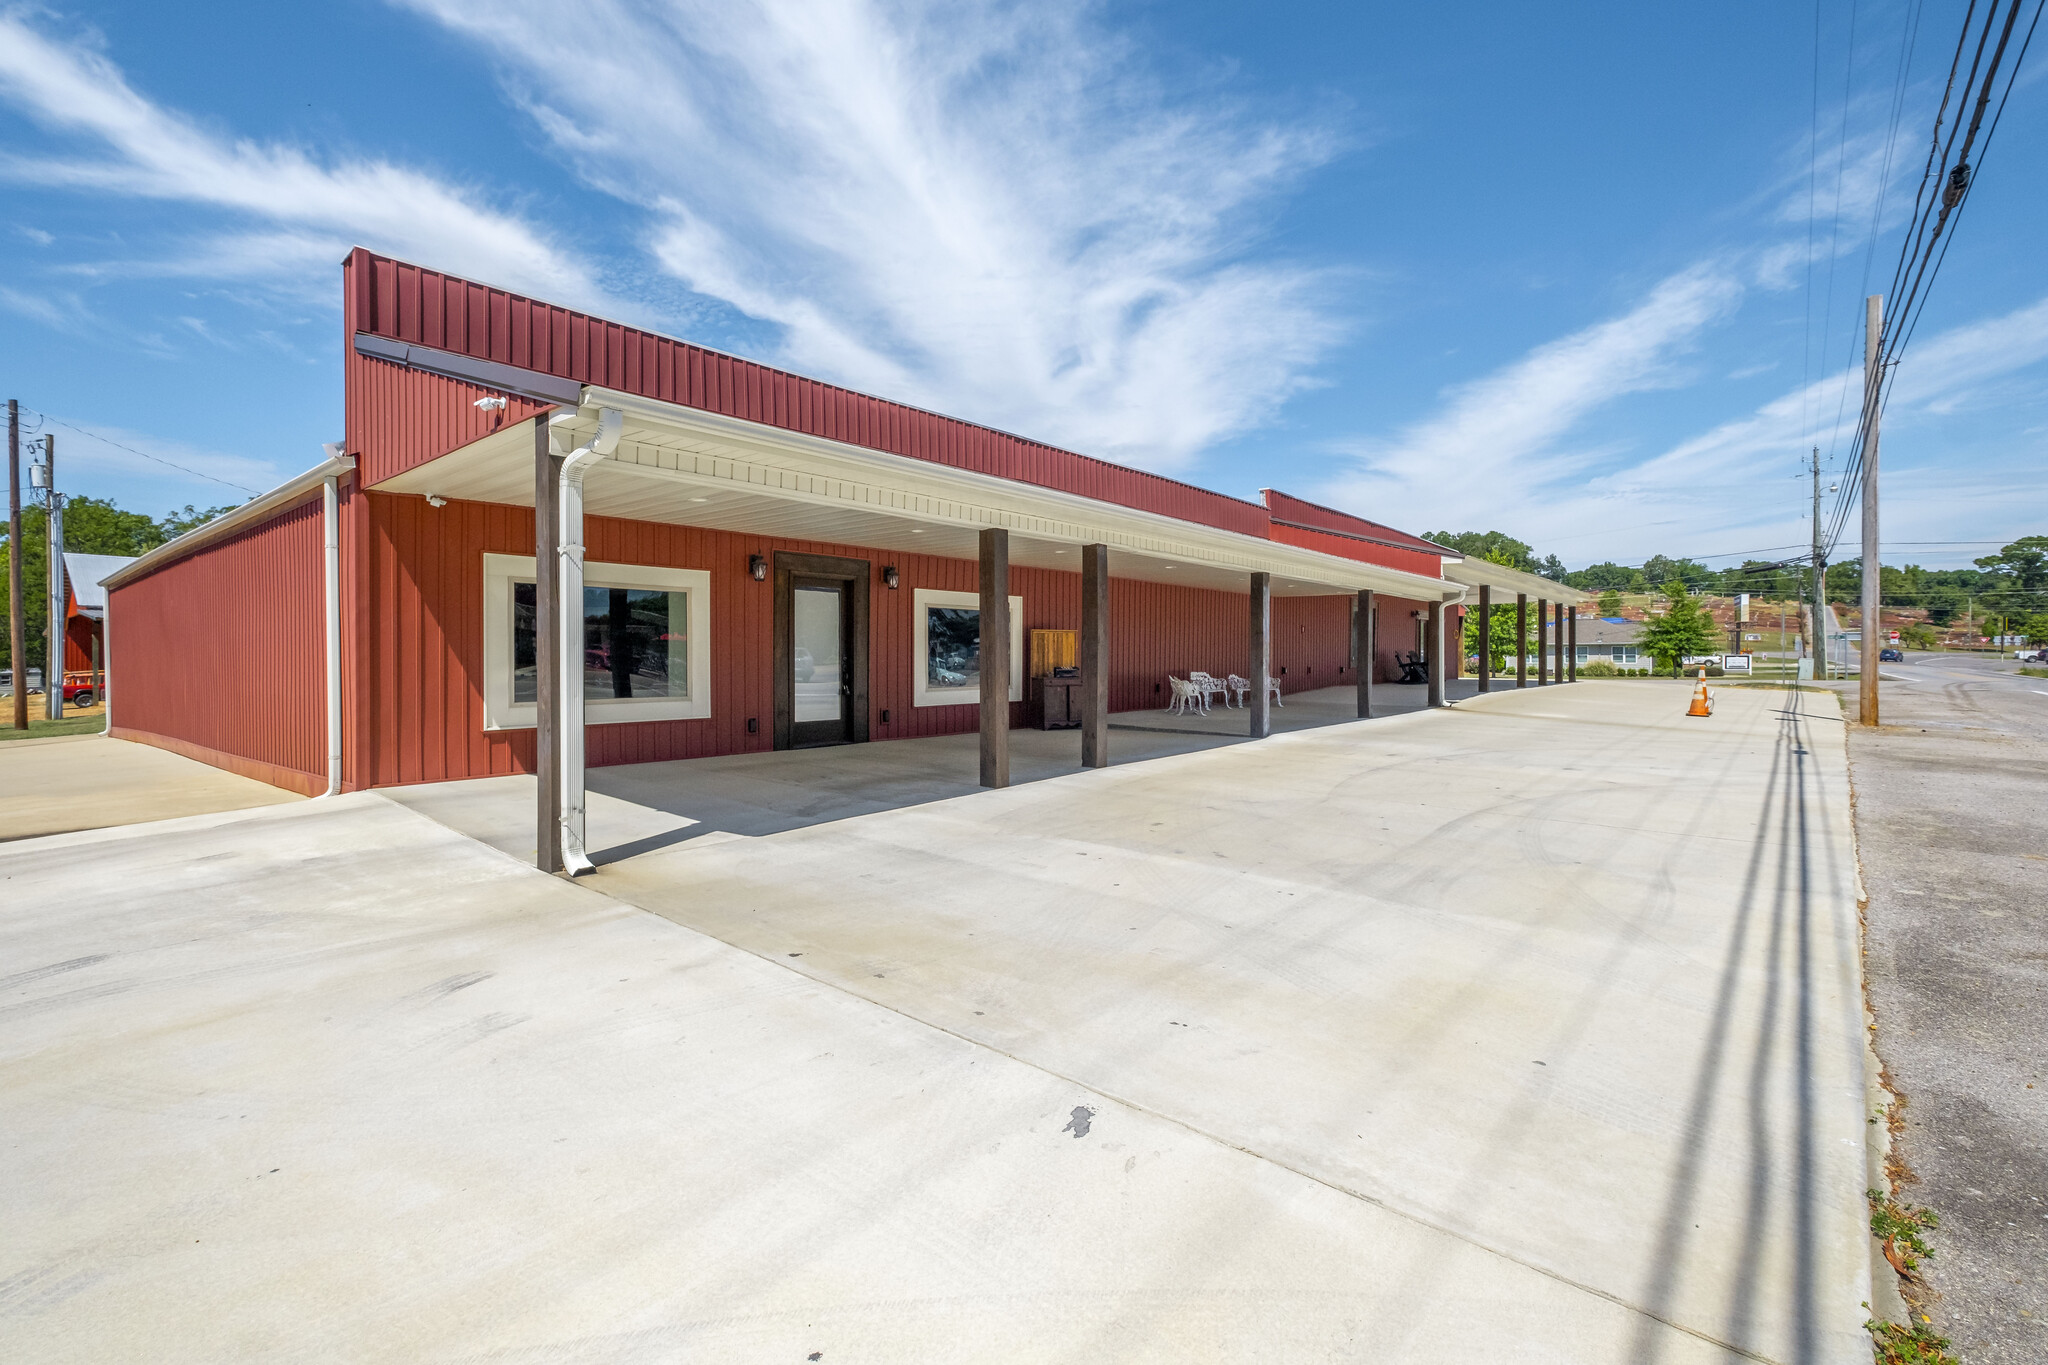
{"x": 407, "y": 303}
{"x": 1287, "y": 507}
{"x": 220, "y": 654}
{"x": 422, "y": 710}
{"x": 1364, "y": 552}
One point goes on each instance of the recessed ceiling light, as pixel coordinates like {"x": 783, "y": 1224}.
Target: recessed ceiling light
{"x": 916, "y": 531}
{"x": 700, "y": 500}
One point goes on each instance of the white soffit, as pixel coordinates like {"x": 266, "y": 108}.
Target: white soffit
{"x": 1473, "y": 572}
{"x": 683, "y": 466}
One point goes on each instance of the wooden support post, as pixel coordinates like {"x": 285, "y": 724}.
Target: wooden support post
{"x": 1436, "y": 653}
{"x": 1365, "y": 647}
{"x": 995, "y": 657}
{"x": 1542, "y": 642}
{"x": 547, "y": 633}
{"x": 1260, "y": 641}
{"x": 1485, "y": 638}
{"x": 1571, "y": 644}
{"x": 1557, "y": 642}
{"x": 1094, "y": 656}
{"x": 1521, "y": 639}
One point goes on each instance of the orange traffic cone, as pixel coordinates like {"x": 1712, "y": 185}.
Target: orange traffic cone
{"x": 1702, "y": 700}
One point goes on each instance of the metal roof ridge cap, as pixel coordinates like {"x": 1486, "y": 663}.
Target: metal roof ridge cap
{"x": 596, "y": 396}
{"x": 285, "y": 495}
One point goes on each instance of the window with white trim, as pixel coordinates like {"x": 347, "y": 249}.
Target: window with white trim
{"x": 646, "y": 643}
{"x": 946, "y": 665}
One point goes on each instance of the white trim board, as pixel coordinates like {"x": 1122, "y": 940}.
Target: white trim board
{"x": 920, "y": 648}
{"x": 502, "y": 713}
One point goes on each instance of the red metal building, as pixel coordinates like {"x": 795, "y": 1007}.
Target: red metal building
{"x": 731, "y": 490}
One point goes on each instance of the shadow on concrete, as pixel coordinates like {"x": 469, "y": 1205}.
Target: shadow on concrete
{"x": 638, "y": 808}
{"x": 1776, "y": 902}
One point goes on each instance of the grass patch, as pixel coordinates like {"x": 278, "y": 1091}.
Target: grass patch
{"x": 41, "y": 727}
{"x": 2034, "y": 672}
{"x": 1899, "y": 1227}
{"x": 1916, "y": 1344}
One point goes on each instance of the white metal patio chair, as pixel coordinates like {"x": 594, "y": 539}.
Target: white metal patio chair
{"x": 1211, "y": 685}
{"x": 1242, "y": 687}
{"x": 1186, "y": 696}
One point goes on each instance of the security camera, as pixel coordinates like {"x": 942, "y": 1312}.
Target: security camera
{"x": 492, "y": 404}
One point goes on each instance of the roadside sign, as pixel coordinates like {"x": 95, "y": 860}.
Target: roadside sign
{"x": 1895, "y": 637}
{"x": 1735, "y": 663}
{"x": 1752, "y": 637}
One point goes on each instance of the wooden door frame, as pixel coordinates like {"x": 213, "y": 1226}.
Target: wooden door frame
{"x": 858, "y": 575}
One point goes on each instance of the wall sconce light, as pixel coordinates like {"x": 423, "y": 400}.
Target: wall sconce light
{"x": 758, "y": 567}
{"x": 891, "y": 577}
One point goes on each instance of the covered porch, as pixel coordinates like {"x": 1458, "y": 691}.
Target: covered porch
{"x": 636, "y": 808}
{"x": 872, "y": 557}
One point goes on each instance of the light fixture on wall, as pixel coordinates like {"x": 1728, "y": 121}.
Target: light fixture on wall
{"x": 493, "y": 403}
{"x": 435, "y": 501}
{"x": 758, "y": 567}
{"x": 891, "y": 578}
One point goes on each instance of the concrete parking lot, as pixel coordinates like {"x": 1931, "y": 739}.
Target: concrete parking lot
{"x": 1524, "y": 1031}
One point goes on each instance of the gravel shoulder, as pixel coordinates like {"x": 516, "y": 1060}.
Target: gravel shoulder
{"x": 1951, "y": 805}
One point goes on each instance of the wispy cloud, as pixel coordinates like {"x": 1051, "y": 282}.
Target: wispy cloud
{"x": 102, "y": 449}
{"x": 987, "y": 208}
{"x": 1505, "y": 433}
{"x": 134, "y": 147}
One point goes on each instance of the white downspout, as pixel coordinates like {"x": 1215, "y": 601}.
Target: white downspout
{"x": 569, "y": 691}
{"x": 330, "y": 506}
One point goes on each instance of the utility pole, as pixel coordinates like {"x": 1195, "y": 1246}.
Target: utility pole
{"x": 1873, "y": 392}
{"x": 1817, "y": 639}
{"x": 53, "y": 582}
{"x": 17, "y": 632}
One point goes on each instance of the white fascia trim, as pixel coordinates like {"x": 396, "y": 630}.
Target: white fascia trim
{"x": 286, "y": 495}
{"x": 1474, "y": 572}
{"x": 813, "y": 469}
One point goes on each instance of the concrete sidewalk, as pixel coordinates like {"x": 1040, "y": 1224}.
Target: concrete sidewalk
{"x": 74, "y": 782}
{"x": 1521, "y": 1032}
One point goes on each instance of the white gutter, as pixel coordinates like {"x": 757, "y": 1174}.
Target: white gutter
{"x": 330, "y": 508}
{"x": 106, "y": 674}
{"x": 256, "y": 510}
{"x": 569, "y": 596}
{"x": 934, "y": 493}
{"x": 1474, "y": 573}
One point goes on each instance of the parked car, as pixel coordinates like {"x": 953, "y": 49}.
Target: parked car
{"x": 1891, "y": 656}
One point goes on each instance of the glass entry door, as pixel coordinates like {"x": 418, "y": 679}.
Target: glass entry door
{"x": 820, "y": 662}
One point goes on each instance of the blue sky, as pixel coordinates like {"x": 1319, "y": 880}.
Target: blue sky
{"x": 1544, "y": 270}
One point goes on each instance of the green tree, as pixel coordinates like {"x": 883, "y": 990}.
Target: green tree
{"x": 1500, "y": 635}
{"x": 1489, "y": 546}
{"x": 1610, "y": 603}
{"x": 2017, "y": 576}
{"x": 1599, "y": 577}
{"x": 92, "y": 526}
{"x": 1682, "y": 630}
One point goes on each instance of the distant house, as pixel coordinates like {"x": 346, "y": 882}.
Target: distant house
{"x": 85, "y": 607}
{"x": 1611, "y": 640}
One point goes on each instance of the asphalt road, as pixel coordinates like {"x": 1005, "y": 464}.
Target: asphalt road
{"x": 1951, "y": 807}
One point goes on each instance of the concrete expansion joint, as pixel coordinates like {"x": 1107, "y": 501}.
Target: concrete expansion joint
{"x": 795, "y": 964}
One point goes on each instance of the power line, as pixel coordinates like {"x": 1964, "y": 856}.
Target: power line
{"x": 95, "y": 436}
{"x": 1923, "y": 251}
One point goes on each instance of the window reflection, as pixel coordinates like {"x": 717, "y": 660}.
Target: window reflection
{"x": 635, "y": 642}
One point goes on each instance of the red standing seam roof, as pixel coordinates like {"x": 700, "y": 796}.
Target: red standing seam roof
{"x": 1286, "y": 507}
{"x": 409, "y": 303}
